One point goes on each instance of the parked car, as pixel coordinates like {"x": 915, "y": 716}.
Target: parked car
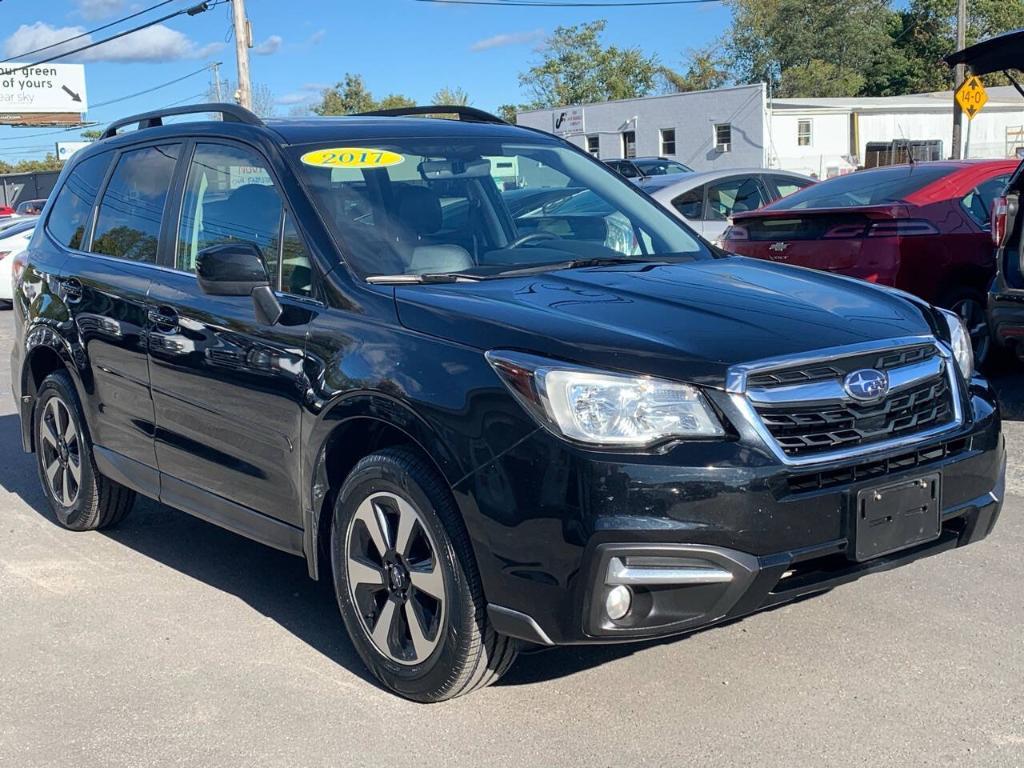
{"x": 923, "y": 228}
{"x": 1003, "y": 53}
{"x": 30, "y": 207}
{"x": 14, "y": 238}
{"x": 641, "y": 170}
{"x": 483, "y": 429}
{"x": 6, "y": 211}
{"x": 706, "y": 201}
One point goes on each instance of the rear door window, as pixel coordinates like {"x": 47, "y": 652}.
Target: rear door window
{"x": 69, "y": 215}
{"x": 733, "y": 195}
{"x": 128, "y": 223}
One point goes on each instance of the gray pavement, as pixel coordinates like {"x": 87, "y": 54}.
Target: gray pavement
{"x": 169, "y": 642}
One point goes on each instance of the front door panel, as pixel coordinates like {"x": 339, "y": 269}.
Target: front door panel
{"x": 227, "y": 394}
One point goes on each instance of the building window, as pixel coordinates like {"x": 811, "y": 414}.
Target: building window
{"x": 803, "y": 133}
{"x": 723, "y": 137}
{"x": 668, "y": 141}
{"x": 629, "y": 144}
{"x": 594, "y": 145}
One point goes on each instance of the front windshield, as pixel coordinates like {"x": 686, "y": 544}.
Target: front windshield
{"x": 661, "y": 167}
{"x": 421, "y": 206}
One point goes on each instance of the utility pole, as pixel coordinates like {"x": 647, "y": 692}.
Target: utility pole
{"x": 242, "y": 40}
{"x": 216, "y": 80}
{"x": 959, "y": 75}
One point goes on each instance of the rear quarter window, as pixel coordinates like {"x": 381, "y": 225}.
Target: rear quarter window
{"x": 69, "y": 215}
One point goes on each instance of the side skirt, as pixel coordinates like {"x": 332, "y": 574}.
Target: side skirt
{"x": 198, "y": 502}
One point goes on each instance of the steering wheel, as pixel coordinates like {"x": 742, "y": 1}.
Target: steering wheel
{"x": 532, "y": 237}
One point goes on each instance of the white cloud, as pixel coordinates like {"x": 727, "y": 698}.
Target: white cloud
{"x": 317, "y": 37}
{"x": 296, "y": 98}
{"x": 271, "y": 45}
{"x": 314, "y": 86}
{"x": 98, "y": 9}
{"x": 508, "y": 38}
{"x": 156, "y": 43}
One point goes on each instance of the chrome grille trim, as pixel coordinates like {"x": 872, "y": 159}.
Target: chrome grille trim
{"x": 744, "y": 404}
{"x": 832, "y": 391}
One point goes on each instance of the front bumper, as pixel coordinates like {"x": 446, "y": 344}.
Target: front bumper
{"x": 551, "y": 518}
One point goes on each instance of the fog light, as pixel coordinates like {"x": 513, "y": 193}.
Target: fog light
{"x": 617, "y": 604}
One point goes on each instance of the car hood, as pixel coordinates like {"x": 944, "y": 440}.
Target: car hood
{"x": 688, "y": 321}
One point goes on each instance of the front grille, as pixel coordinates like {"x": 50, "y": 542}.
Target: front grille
{"x": 816, "y": 481}
{"x": 804, "y": 429}
{"x": 882, "y": 361}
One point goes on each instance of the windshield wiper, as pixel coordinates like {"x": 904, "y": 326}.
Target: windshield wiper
{"x": 576, "y": 264}
{"x": 430, "y": 277}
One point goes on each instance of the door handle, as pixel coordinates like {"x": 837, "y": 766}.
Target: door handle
{"x": 72, "y": 290}
{"x": 163, "y": 319}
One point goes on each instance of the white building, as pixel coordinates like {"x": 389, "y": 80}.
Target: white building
{"x": 741, "y": 127}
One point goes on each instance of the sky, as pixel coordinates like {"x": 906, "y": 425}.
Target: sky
{"x": 301, "y": 46}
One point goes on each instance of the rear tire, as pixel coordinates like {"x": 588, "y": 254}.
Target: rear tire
{"x": 78, "y": 495}
{"x": 415, "y": 611}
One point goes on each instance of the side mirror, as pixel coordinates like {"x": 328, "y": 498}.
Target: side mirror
{"x": 237, "y": 269}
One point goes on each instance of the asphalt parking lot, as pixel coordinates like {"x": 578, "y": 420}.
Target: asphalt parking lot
{"x": 169, "y": 641}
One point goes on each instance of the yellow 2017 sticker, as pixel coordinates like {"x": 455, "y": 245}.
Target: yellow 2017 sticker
{"x": 352, "y": 157}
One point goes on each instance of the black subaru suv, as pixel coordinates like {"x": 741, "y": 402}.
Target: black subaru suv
{"x": 571, "y": 425}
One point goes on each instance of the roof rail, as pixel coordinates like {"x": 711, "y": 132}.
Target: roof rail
{"x": 229, "y": 112}
{"x": 465, "y": 114}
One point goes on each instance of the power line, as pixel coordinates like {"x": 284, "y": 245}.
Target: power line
{"x": 557, "y": 4}
{"x": 191, "y": 11}
{"x": 89, "y": 32}
{"x": 154, "y": 88}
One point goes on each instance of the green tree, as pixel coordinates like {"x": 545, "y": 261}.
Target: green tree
{"x": 925, "y": 31}
{"x": 51, "y": 163}
{"x": 803, "y": 48}
{"x": 706, "y": 69}
{"x": 91, "y": 134}
{"x": 576, "y": 68}
{"x": 451, "y": 97}
{"x": 394, "y": 101}
{"x": 351, "y": 97}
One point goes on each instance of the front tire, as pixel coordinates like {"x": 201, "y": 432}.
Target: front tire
{"x": 406, "y": 581}
{"x": 78, "y": 495}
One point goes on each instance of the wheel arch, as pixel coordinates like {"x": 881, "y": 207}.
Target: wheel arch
{"x": 353, "y": 427}
{"x": 46, "y": 351}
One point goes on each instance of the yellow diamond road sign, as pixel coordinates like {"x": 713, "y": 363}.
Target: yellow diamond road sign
{"x": 971, "y": 96}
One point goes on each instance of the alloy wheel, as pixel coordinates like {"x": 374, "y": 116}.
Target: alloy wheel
{"x": 395, "y": 578}
{"x": 61, "y": 448}
{"x": 972, "y": 313}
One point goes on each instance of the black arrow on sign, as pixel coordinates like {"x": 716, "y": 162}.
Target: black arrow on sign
{"x": 74, "y": 96}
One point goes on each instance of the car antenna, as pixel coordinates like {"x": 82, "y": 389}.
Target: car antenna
{"x": 906, "y": 143}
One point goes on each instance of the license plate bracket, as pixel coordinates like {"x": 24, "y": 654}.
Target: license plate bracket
{"x": 892, "y": 517}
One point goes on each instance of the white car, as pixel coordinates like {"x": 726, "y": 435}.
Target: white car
{"x": 707, "y": 200}
{"x": 14, "y": 238}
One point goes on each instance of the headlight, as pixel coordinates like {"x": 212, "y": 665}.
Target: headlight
{"x": 960, "y": 342}
{"x": 606, "y": 409}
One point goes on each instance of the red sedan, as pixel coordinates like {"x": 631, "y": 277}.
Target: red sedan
{"x": 923, "y": 228}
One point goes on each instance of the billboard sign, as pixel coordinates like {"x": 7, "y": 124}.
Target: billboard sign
{"x": 66, "y": 149}
{"x": 34, "y": 95}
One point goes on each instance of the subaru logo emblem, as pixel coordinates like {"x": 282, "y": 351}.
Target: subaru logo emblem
{"x": 867, "y": 384}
